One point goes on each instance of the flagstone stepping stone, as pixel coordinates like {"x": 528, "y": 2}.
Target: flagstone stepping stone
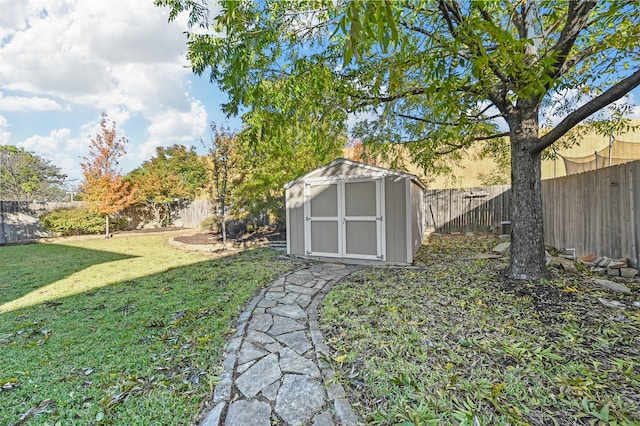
{"x": 299, "y": 399}
{"x": 289, "y": 311}
{"x": 261, "y": 322}
{"x": 297, "y": 341}
{"x": 259, "y": 376}
{"x": 249, "y": 353}
{"x": 291, "y": 362}
{"x": 301, "y": 289}
{"x": 243, "y": 413}
{"x": 282, "y": 325}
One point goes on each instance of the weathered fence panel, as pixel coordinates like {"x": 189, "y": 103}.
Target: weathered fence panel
{"x": 467, "y": 210}
{"x": 596, "y": 212}
{"x": 192, "y": 215}
{"x": 19, "y": 220}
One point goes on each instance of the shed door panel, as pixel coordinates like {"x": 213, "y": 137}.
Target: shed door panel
{"x": 343, "y": 219}
{"x": 362, "y": 220}
{"x": 324, "y": 237}
{"x": 322, "y": 224}
{"x": 361, "y": 238}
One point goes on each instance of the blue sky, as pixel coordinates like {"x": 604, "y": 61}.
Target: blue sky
{"x": 63, "y": 63}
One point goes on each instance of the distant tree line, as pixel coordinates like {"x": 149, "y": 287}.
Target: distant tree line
{"x": 25, "y": 176}
{"x": 242, "y": 174}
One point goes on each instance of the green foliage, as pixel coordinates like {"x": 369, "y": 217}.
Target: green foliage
{"x": 210, "y": 224}
{"x": 78, "y": 221}
{"x": 269, "y": 162}
{"x": 165, "y": 181}
{"x": 26, "y": 177}
{"x": 129, "y": 351}
{"x": 432, "y": 76}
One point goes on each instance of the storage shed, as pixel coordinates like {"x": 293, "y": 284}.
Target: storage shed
{"x": 355, "y": 212}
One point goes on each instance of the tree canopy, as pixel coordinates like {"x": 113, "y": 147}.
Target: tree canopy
{"x": 165, "y": 181}
{"x": 25, "y": 176}
{"x": 431, "y": 76}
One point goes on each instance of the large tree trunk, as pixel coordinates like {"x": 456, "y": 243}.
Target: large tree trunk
{"x": 527, "y": 231}
{"x": 106, "y": 227}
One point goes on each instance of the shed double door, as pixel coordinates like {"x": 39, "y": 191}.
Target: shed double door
{"x": 344, "y": 219}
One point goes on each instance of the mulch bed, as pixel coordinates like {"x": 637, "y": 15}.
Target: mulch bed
{"x": 205, "y": 238}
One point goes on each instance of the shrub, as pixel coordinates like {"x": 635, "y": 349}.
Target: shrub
{"x": 78, "y": 221}
{"x": 211, "y": 224}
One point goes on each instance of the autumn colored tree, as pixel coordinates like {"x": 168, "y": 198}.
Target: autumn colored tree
{"x": 104, "y": 189}
{"x": 168, "y": 180}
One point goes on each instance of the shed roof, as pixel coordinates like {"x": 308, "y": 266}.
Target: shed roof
{"x": 375, "y": 169}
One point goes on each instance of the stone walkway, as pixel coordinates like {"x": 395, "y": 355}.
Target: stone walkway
{"x": 275, "y": 369}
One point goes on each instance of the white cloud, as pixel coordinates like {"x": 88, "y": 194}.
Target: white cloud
{"x": 173, "y": 126}
{"x": 4, "y": 133}
{"x": 32, "y": 103}
{"x": 59, "y": 148}
{"x": 98, "y": 54}
{"x": 117, "y": 56}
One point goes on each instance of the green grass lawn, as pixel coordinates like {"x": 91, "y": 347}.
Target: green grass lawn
{"x": 454, "y": 343}
{"x": 127, "y": 330}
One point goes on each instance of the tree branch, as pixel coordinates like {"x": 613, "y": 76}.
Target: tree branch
{"x": 577, "y": 18}
{"x": 614, "y": 93}
{"x": 489, "y": 137}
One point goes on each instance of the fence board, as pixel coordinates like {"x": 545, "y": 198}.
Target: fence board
{"x": 595, "y": 212}
{"x": 193, "y": 214}
{"x": 467, "y": 210}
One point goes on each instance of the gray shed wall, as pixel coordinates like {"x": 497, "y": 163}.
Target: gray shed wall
{"x": 417, "y": 217}
{"x": 395, "y": 214}
{"x": 295, "y": 219}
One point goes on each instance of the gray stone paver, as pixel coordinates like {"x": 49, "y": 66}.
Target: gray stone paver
{"x": 275, "y": 365}
{"x": 297, "y": 341}
{"x": 259, "y": 376}
{"x": 291, "y": 362}
{"x": 282, "y": 325}
{"x": 249, "y": 353}
{"x": 299, "y": 398}
{"x": 243, "y": 413}
{"x": 289, "y": 311}
{"x": 261, "y": 322}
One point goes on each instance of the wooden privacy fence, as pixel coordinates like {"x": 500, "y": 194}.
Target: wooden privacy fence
{"x": 192, "y": 215}
{"x": 19, "y": 221}
{"x": 596, "y": 212}
{"x": 467, "y": 210}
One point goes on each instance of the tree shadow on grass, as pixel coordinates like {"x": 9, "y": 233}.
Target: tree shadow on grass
{"x": 27, "y": 268}
{"x": 160, "y": 332}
